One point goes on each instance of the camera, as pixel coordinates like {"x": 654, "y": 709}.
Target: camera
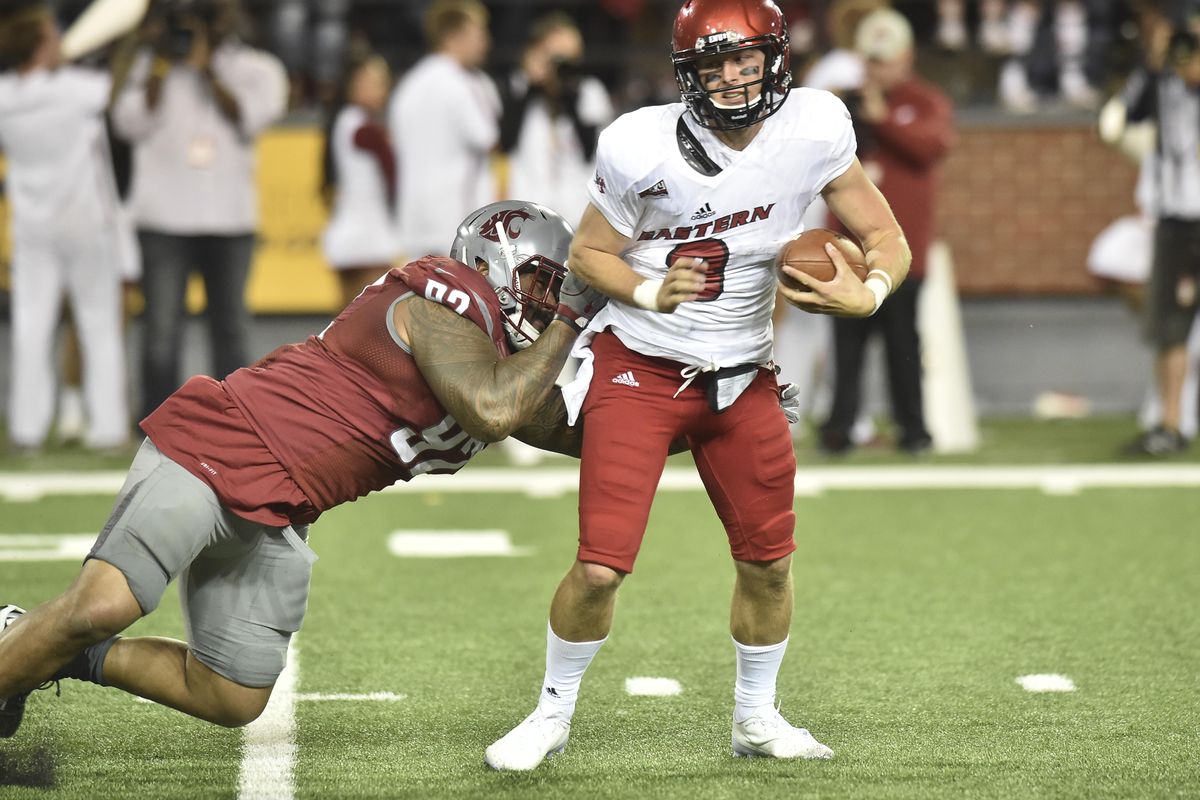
{"x": 567, "y": 74}
{"x": 863, "y": 132}
{"x": 182, "y": 21}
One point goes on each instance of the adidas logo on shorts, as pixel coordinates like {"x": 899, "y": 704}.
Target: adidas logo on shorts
{"x": 627, "y": 379}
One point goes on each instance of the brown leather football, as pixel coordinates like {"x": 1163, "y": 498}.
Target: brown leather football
{"x": 807, "y": 253}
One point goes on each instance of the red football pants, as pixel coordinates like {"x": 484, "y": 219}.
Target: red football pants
{"x": 630, "y": 418}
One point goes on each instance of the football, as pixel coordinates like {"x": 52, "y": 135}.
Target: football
{"x": 807, "y": 253}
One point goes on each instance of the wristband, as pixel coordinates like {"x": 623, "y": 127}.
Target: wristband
{"x": 646, "y": 294}
{"x": 572, "y": 323}
{"x": 879, "y": 288}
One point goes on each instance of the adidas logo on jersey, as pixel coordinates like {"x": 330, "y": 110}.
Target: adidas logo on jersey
{"x": 657, "y": 190}
{"x": 626, "y": 379}
{"x": 704, "y": 212}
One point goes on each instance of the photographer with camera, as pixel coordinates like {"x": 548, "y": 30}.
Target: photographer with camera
{"x": 551, "y": 118}
{"x": 904, "y": 127}
{"x": 195, "y": 101}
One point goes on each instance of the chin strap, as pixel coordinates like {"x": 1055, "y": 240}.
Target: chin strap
{"x": 692, "y": 151}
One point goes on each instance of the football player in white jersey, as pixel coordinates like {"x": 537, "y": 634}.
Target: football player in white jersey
{"x": 690, "y": 204}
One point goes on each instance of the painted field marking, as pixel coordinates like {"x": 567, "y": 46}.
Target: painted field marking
{"x": 32, "y": 486}
{"x": 371, "y": 697}
{"x": 1053, "y": 479}
{"x": 452, "y": 544}
{"x": 269, "y": 743}
{"x": 652, "y": 687}
{"x": 45, "y": 546}
{"x": 1046, "y": 683}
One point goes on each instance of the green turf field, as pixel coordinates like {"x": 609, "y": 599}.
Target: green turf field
{"x": 915, "y": 613}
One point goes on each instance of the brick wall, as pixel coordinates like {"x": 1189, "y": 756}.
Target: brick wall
{"x": 1020, "y": 205}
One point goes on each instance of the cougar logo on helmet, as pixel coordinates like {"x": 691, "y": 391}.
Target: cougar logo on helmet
{"x": 525, "y": 275}
{"x": 510, "y": 219}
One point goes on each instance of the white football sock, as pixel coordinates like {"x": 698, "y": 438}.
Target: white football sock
{"x": 757, "y": 669}
{"x": 565, "y": 665}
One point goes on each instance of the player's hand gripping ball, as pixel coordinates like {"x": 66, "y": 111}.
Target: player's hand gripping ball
{"x": 806, "y": 253}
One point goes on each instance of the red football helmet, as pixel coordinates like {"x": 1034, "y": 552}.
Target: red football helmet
{"x": 712, "y": 27}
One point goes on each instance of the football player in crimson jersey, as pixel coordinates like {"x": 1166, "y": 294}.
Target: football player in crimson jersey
{"x": 689, "y": 206}
{"x": 413, "y": 376}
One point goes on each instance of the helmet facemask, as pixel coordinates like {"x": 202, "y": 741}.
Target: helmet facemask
{"x": 528, "y": 297}
{"x": 521, "y": 248}
{"x": 714, "y": 114}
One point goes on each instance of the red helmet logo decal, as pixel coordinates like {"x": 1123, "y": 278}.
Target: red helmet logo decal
{"x": 510, "y": 219}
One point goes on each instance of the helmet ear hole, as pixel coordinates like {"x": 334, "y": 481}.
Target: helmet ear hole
{"x": 481, "y": 266}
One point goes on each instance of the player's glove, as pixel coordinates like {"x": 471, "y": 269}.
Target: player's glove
{"x": 789, "y": 401}
{"x": 578, "y": 303}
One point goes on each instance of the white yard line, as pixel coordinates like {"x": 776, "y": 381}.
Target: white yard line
{"x": 371, "y": 697}
{"x": 652, "y": 687}
{"x": 1055, "y": 480}
{"x": 1046, "y": 683}
{"x": 269, "y": 743}
{"x": 45, "y": 546}
{"x": 452, "y": 544}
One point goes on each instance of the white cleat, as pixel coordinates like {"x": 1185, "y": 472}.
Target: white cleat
{"x": 769, "y": 735}
{"x": 537, "y": 738}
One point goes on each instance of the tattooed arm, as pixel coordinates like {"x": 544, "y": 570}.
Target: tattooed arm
{"x": 547, "y": 429}
{"x": 490, "y": 396}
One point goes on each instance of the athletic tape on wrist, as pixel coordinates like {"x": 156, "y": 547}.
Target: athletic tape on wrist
{"x": 646, "y": 294}
{"x": 879, "y": 288}
{"x": 882, "y": 275}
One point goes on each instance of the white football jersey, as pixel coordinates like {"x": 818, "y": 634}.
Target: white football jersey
{"x": 737, "y": 220}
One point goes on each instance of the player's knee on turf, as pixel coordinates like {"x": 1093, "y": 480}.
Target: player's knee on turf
{"x": 228, "y": 703}
{"x": 237, "y": 712}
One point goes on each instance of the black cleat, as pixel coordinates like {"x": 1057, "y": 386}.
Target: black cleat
{"x": 12, "y": 709}
{"x": 1158, "y": 442}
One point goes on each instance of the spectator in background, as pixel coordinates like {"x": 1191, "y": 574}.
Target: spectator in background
{"x": 72, "y": 415}
{"x": 65, "y": 229}
{"x": 1059, "y": 45}
{"x": 552, "y": 116}
{"x": 992, "y": 35}
{"x": 1167, "y": 90}
{"x": 444, "y": 122}
{"x": 841, "y": 68}
{"x": 904, "y": 128}
{"x": 196, "y": 100}
{"x": 360, "y": 178}
{"x": 803, "y": 341}
{"x": 310, "y": 37}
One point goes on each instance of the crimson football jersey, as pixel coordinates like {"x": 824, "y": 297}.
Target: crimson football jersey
{"x": 344, "y": 413}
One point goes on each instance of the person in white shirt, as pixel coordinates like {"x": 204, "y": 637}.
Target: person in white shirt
{"x": 192, "y": 107}
{"x": 552, "y": 117}
{"x": 65, "y": 230}
{"x": 443, "y": 121}
{"x": 690, "y": 204}
{"x": 360, "y": 241}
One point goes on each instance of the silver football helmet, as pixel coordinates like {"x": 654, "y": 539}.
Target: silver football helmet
{"x": 521, "y": 248}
